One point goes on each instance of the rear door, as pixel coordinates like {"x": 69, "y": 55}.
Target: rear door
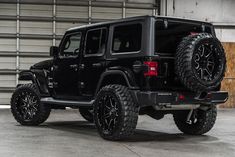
{"x": 66, "y": 67}
{"x": 93, "y": 59}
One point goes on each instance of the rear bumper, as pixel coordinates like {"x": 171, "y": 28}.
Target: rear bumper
{"x": 159, "y": 98}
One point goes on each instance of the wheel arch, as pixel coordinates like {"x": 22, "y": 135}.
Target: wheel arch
{"x": 116, "y": 76}
{"x": 37, "y": 77}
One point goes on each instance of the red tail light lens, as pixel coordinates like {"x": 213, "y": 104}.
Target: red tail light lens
{"x": 181, "y": 97}
{"x": 152, "y": 68}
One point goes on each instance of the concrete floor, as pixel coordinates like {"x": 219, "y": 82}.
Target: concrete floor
{"x": 66, "y": 134}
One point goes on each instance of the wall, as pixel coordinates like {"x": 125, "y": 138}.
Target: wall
{"x": 222, "y": 14}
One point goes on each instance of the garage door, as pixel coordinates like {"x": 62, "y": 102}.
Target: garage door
{"x": 28, "y": 28}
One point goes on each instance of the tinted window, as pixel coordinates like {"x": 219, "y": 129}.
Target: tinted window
{"x": 95, "y": 41}
{"x": 127, "y": 38}
{"x": 169, "y": 34}
{"x": 71, "y": 45}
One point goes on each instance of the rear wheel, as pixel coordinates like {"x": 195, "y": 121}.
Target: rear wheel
{"x": 26, "y": 107}
{"x": 115, "y": 113}
{"x": 201, "y": 121}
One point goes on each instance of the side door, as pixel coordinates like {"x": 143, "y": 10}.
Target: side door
{"x": 93, "y": 59}
{"x": 66, "y": 67}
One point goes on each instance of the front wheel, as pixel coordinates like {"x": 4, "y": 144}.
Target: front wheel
{"x": 115, "y": 113}
{"x": 26, "y": 107}
{"x": 200, "y": 122}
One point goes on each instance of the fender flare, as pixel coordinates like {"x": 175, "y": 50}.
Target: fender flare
{"x": 122, "y": 72}
{"x": 28, "y": 75}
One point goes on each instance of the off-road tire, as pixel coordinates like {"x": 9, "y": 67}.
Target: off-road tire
{"x": 86, "y": 114}
{"x": 205, "y": 121}
{"x": 42, "y": 111}
{"x": 128, "y": 112}
{"x": 185, "y": 56}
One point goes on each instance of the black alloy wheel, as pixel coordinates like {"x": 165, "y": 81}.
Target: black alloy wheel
{"x": 26, "y": 106}
{"x": 115, "y": 112}
{"x": 108, "y": 112}
{"x": 207, "y": 62}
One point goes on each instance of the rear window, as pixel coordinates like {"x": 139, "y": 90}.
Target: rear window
{"x": 127, "y": 38}
{"x": 169, "y": 34}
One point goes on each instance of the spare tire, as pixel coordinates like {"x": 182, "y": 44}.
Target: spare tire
{"x": 200, "y": 62}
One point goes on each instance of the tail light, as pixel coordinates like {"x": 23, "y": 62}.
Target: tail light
{"x": 152, "y": 68}
{"x": 181, "y": 97}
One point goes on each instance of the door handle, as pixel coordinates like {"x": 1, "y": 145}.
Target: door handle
{"x": 98, "y": 65}
{"x": 74, "y": 66}
{"x": 77, "y": 67}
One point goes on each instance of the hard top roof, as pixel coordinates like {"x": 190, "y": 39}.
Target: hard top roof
{"x": 133, "y": 19}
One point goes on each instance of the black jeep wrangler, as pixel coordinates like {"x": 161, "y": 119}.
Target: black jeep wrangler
{"x": 114, "y": 71}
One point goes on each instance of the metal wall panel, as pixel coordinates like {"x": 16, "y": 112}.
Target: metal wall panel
{"x": 34, "y": 27}
{"x": 26, "y": 62}
{"x": 72, "y": 11}
{"x": 7, "y": 80}
{"x": 36, "y": 10}
{"x": 106, "y": 13}
{"x": 7, "y": 62}
{"x": 135, "y": 12}
{"x": 33, "y": 45}
{"x": 7, "y": 9}
{"x": 29, "y": 27}
{"x": 7, "y": 26}
{"x": 7, "y": 44}
{"x": 61, "y": 27}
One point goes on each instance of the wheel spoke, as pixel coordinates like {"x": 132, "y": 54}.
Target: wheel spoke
{"x": 111, "y": 103}
{"x": 208, "y": 72}
{"x": 197, "y": 57}
{"x": 209, "y": 54}
{"x": 109, "y": 126}
{"x": 202, "y": 50}
{"x": 197, "y": 65}
{"x": 27, "y": 105}
{"x": 201, "y": 73}
{"x": 107, "y": 115}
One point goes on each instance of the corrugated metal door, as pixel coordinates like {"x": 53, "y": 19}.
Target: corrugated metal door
{"x": 29, "y": 27}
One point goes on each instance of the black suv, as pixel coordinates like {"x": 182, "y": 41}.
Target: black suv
{"x": 114, "y": 71}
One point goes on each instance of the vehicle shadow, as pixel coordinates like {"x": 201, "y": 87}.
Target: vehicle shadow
{"x": 88, "y": 129}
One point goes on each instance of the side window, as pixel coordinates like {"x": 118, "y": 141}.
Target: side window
{"x": 95, "y": 42}
{"x": 71, "y": 45}
{"x": 127, "y": 38}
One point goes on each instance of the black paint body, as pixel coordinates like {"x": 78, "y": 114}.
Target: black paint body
{"x": 80, "y": 77}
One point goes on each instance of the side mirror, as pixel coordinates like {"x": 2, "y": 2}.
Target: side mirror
{"x": 54, "y": 50}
